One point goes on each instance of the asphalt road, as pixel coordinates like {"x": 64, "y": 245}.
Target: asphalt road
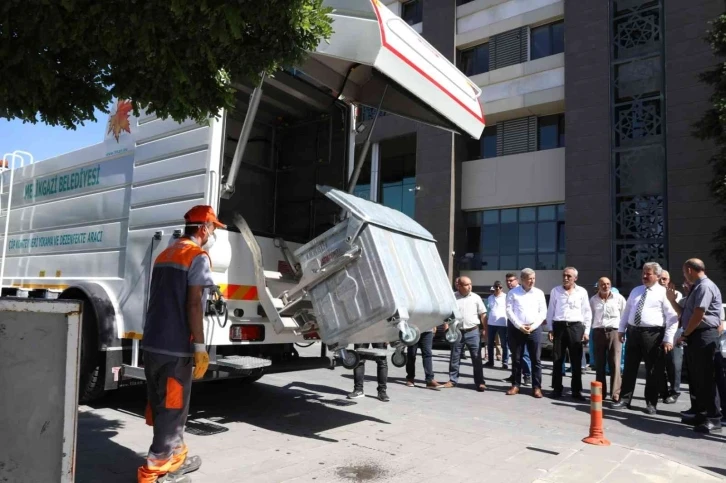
{"x": 300, "y": 427}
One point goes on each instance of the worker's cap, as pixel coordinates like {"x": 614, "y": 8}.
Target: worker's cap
{"x": 497, "y": 284}
{"x": 202, "y": 214}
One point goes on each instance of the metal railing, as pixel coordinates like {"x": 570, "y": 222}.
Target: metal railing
{"x": 10, "y": 163}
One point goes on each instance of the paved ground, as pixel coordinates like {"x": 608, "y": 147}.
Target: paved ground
{"x": 300, "y": 427}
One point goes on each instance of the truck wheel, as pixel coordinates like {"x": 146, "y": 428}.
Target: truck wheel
{"x": 93, "y": 363}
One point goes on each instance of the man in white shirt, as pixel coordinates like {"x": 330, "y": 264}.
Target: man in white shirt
{"x": 496, "y": 323}
{"x": 473, "y": 325}
{"x": 650, "y": 324}
{"x": 671, "y": 387}
{"x": 569, "y": 317}
{"x": 526, "y": 311}
{"x": 513, "y": 282}
{"x": 607, "y": 310}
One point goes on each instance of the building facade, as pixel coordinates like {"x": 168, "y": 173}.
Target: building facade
{"x": 606, "y": 180}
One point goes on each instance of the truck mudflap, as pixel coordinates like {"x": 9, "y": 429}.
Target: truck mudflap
{"x": 375, "y": 277}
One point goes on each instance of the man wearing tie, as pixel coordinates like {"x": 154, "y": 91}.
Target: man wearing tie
{"x": 649, "y": 323}
{"x": 569, "y": 316}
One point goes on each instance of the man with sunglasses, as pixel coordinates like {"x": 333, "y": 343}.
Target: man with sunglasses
{"x": 496, "y": 323}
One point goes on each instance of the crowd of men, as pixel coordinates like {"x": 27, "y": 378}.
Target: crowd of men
{"x": 660, "y": 326}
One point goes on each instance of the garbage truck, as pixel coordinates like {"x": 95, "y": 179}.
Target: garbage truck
{"x": 301, "y": 260}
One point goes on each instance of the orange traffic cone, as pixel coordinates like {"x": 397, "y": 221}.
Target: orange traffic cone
{"x": 597, "y": 436}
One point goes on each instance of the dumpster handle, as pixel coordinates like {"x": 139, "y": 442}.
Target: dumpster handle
{"x": 323, "y": 273}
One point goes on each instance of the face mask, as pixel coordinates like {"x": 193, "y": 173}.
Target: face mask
{"x": 210, "y": 240}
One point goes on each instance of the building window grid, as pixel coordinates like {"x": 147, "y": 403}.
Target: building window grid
{"x": 486, "y": 146}
{"x": 474, "y": 60}
{"x": 412, "y": 12}
{"x": 517, "y": 238}
{"x": 546, "y": 40}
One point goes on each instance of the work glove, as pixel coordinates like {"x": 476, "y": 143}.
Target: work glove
{"x": 201, "y": 361}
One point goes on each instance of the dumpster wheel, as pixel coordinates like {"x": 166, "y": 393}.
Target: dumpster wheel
{"x": 399, "y": 358}
{"x": 349, "y": 359}
{"x": 453, "y": 335}
{"x": 410, "y": 335}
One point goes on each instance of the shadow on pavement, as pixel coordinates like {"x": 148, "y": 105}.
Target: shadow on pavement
{"x": 720, "y": 471}
{"x": 261, "y": 405}
{"x": 636, "y": 419}
{"x": 97, "y": 456}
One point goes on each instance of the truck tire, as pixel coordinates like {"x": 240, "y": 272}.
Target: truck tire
{"x": 93, "y": 362}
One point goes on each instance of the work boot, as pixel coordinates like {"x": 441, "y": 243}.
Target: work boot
{"x": 173, "y": 478}
{"x": 191, "y": 464}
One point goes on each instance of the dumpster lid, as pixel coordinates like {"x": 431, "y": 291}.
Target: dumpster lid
{"x": 371, "y": 47}
{"x": 376, "y": 214}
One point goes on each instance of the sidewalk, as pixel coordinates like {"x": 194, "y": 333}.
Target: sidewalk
{"x": 301, "y": 428}
{"x": 618, "y": 463}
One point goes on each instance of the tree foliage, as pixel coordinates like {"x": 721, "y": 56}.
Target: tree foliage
{"x": 712, "y": 126}
{"x": 61, "y": 59}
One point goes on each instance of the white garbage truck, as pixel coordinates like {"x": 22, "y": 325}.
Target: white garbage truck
{"x": 301, "y": 259}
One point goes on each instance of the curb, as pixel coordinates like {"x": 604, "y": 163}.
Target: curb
{"x": 668, "y": 458}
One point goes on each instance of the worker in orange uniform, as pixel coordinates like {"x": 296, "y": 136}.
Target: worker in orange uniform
{"x": 173, "y": 344}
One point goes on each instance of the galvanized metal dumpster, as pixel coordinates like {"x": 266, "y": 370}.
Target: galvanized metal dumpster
{"x": 385, "y": 281}
{"x": 39, "y": 356}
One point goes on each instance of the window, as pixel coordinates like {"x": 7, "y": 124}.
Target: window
{"x": 485, "y": 146}
{"x": 516, "y": 238}
{"x": 475, "y": 60}
{"x": 547, "y": 40}
{"x": 398, "y": 174}
{"x": 551, "y": 132}
{"x": 412, "y": 12}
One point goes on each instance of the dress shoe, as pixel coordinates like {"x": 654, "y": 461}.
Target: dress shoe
{"x": 481, "y": 388}
{"x": 513, "y": 391}
{"x": 449, "y": 384}
{"x": 433, "y": 385}
{"x": 489, "y": 364}
{"x": 650, "y": 409}
{"x": 537, "y": 393}
{"x": 708, "y": 427}
{"x": 578, "y": 396}
{"x": 671, "y": 399}
{"x": 556, "y": 394}
{"x": 410, "y": 383}
{"x": 619, "y": 405}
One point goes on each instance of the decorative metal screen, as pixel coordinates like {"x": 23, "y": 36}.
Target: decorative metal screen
{"x": 638, "y": 141}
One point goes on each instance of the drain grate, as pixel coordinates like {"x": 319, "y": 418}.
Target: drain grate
{"x": 204, "y": 428}
{"x": 547, "y": 451}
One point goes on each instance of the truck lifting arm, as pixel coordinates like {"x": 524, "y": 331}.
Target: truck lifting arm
{"x": 229, "y": 183}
